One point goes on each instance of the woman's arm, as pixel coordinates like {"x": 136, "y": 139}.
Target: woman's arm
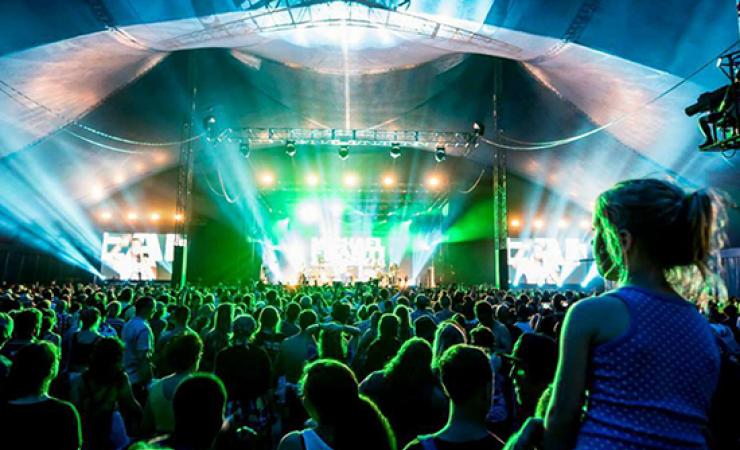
{"x": 564, "y": 413}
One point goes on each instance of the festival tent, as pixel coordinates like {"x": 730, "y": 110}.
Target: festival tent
{"x": 589, "y": 92}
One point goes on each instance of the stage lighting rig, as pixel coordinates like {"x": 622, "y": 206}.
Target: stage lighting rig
{"x": 440, "y": 154}
{"x": 290, "y": 149}
{"x": 720, "y": 124}
{"x": 343, "y": 152}
{"x": 395, "y": 150}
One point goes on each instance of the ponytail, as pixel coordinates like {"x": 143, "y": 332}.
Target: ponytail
{"x": 678, "y": 231}
{"x": 699, "y": 215}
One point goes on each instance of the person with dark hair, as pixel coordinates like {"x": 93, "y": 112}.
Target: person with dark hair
{"x": 268, "y": 337}
{"x": 288, "y": 326}
{"x": 345, "y": 419}
{"x": 298, "y": 350}
{"x": 138, "y": 340}
{"x": 533, "y": 361}
{"x": 403, "y": 313}
{"x": 26, "y": 325}
{"x": 645, "y": 355}
{"x": 82, "y": 341}
{"x": 199, "y": 406}
{"x": 484, "y": 314}
{"x": 33, "y": 419}
{"x": 104, "y": 398}
{"x": 219, "y": 336}
{"x": 385, "y": 346}
{"x": 178, "y": 326}
{"x": 446, "y": 312}
{"x": 498, "y": 415}
{"x": 183, "y": 354}
{"x": 447, "y": 335}
{"x": 407, "y": 392}
{"x": 112, "y": 317}
{"x": 48, "y": 323}
{"x": 246, "y": 371}
{"x": 466, "y": 377}
{"x": 424, "y": 328}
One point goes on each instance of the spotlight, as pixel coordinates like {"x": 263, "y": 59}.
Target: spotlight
{"x": 515, "y": 223}
{"x": 97, "y": 192}
{"x": 267, "y": 179}
{"x": 433, "y": 181}
{"x": 132, "y": 216}
{"x": 343, "y": 152}
{"x": 290, "y": 148}
{"x": 159, "y": 157}
{"x": 178, "y": 217}
{"x": 478, "y": 129}
{"x": 312, "y": 179}
{"x": 388, "y": 180}
{"x": 244, "y": 149}
{"x": 105, "y": 216}
{"x": 209, "y": 125}
{"x": 308, "y": 212}
{"x": 538, "y": 224}
{"x": 350, "y": 180}
{"x": 440, "y": 154}
{"x": 395, "y": 150}
{"x": 154, "y": 217}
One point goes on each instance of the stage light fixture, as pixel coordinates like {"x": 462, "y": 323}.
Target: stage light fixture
{"x": 178, "y": 217}
{"x": 105, "y": 216}
{"x": 154, "y": 217}
{"x": 395, "y": 150}
{"x": 267, "y": 179}
{"x": 343, "y": 152}
{"x": 515, "y": 223}
{"x": 290, "y": 148}
{"x": 312, "y": 179}
{"x": 159, "y": 157}
{"x": 350, "y": 180}
{"x": 389, "y": 180}
{"x": 308, "y": 212}
{"x": 440, "y": 154}
{"x": 132, "y": 216}
{"x": 433, "y": 181}
{"x": 209, "y": 125}
{"x": 538, "y": 224}
{"x": 478, "y": 129}
{"x": 97, "y": 192}
{"x": 244, "y": 149}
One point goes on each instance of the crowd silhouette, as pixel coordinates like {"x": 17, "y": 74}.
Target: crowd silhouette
{"x": 255, "y": 366}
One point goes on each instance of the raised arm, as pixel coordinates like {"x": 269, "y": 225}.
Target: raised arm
{"x": 564, "y": 413}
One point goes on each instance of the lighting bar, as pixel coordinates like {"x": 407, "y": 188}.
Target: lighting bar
{"x": 367, "y": 137}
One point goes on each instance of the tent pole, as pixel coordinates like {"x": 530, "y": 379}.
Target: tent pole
{"x": 500, "y": 212}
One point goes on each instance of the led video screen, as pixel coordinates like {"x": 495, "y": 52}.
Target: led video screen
{"x": 549, "y": 261}
{"x": 138, "y": 256}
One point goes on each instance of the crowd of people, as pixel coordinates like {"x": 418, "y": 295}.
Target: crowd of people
{"x": 339, "y": 367}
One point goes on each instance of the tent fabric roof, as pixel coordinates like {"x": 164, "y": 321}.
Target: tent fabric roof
{"x": 594, "y": 61}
